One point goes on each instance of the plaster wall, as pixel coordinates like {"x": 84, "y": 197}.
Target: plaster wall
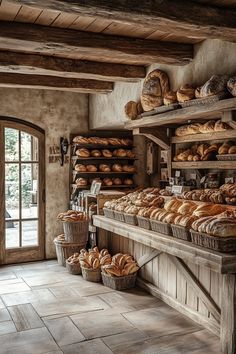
{"x": 59, "y": 114}
{"x": 210, "y": 57}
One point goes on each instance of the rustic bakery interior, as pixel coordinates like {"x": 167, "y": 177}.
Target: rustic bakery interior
{"x": 117, "y": 177}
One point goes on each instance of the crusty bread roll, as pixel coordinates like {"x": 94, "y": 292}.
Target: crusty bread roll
{"x": 223, "y": 227}
{"x": 208, "y": 210}
{"x": 208, "y": 127}
{"x": 130, "y": 154}
{"x": 221, "y": 126}
{"x": 119, "y": 153}
{"x": 131, "y": 110}
{"x": 232, "y": 150}
{"x": 224, "y": 148}
{"x": 96, "y": 153}
{"x": 185, "y": 93}
{"x": 231, "y": 86}
{"x": 80, "y": 168}
{"x": 173, "y": 204}
{"x": 116, "y": 168}
{"x": 106, "y": 153}
{"x": 216, "y": 84}
{"x": 129, "y": 168}
{"x": 83, "y": 152}
{"x": 104, "y": 168}
{"x": 92, "y": 168}
{"x": 107, "y": 181}
{"x": 169, "y": 98}
{"x": 117, "y": 181}
{"x": 128, "y": 181}
{"x": 81, "y": 182}
{"x": 187, "y": 208}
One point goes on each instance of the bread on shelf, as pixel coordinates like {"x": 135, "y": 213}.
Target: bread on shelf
{"x": 104, "y": 168}
{"x": 106, "y": 153}
{"x": 169, "y": 98}
{"x": 129, "y": 168}
{"x": 119, "y": 153}
{"x": 96, "y": 153}
{"x": 80, "y": 140}
{"x": 83, "y": 152}
{"x": 117, "y": 167}
{"x": 117, "y": 181}
{"x": 128, "y": 181}
{"x": 92, "y": 168}
{"x": 80, "y": 168}
{"x": 185, "y": 93}
{"x": 107, "y": 181}
{"x": 81, "y": 182}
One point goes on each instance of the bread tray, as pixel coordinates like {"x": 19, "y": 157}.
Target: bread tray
{"x": 119, "y": 216}
{"x": 181, "y": 232}
{"x": 226, "y": 157}
{"x": 162, "y": 227}
{"x": 216, "y": 243}
{"x": 205, "y": 100}
{"x": 119, "y": 283}
{"x": 143, "y": 222}
{"x": 130, "y": 219}
{"x": 109, "y": 213}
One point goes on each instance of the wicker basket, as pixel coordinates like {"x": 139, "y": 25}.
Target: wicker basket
{"x": 109, "y": 213}
{"x": 93, "y": 275}
{"x": 119, "y": 283}
{"x": 76, "y": 232}
{"x": 161, "y": 227}
{"x": 226, "y": 157}
{"x": 131, "y": 219}
{"x": 119, "y": 216}
{"x": 73, "y": 268}
{"x": 222, "y": 244}
{"x": 66, "y": 249}
{"x": 181, "y": 232}
{"x": 144, "y": 222}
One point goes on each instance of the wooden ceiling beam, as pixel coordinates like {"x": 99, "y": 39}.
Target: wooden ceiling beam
{"x": 22, "y": 37}
{"x": 54, "y": 83}
{"x": 12, "y": 62}
{"x": 182, "y": 17}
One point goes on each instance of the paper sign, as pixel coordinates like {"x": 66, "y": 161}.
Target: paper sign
{"x": 229, "y": 180}
{"x": 177, "y": 173}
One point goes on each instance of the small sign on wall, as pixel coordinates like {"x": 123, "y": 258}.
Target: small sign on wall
{"x": 55, "y": 154}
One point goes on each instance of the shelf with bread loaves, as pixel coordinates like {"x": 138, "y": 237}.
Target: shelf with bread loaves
{"x": 102, "y": 157}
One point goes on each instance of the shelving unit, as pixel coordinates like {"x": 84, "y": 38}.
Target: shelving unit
{"x": 222, "y": 165}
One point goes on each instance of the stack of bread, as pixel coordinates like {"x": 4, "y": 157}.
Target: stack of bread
{"x": 121, "y": 265}
{"x": 117, "y": 167}
{"x": 205, "y": 195}
{"x": 72, "y": 216}
{"x": 105, "y": 181}
{"x": 106, "y": 153}
{"x": 202, "y": 128}
{"x": 81, "y": 140}
{"x": 93, "y": 259}
{"x": 198, "y": 152}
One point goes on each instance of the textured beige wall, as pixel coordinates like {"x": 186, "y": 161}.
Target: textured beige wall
{"x": 211, "y": 57}
{"x": 59, "y": 114}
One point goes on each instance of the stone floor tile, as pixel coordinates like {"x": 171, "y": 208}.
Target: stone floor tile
{"x": 4, "y": 315}
{"x": 101, "y": 323}
{"x": 95, "y": 346}
{"x": 13, "y": 288}
{"x": 2, "y": 306}
{"x": 157, "y": 322}
{"x": 7, "y": 275}
{"x": 64, "y": 331}
{"x": 25, "y": 317}
{"x": 11, "y": 281}
{"x": 123, "y": 341}
{"x": 10, "y": 268}
{"x": 25, "y": 297}
{"x": 5, "y": 328}
{"x": 33, "y": 341}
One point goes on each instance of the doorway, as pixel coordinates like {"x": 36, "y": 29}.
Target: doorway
{"x": 22, "y": 192}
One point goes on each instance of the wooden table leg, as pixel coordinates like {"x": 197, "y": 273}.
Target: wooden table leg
{"x": 102, "y": 238}
{"x": 228, "y": 314}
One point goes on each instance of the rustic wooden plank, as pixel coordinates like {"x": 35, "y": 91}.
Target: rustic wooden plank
{"x": 187, "y": 165}
{"x": 192, "y": 299}
{"x": 54, "y": 83}
{"x": 28, "y": 14}
{"x": 228, "y": 134}
{"x": 197, "y": 286}
{"x": 204, "y": 277}
{"x": 8, "y": 11}
{"x": 64, "y": 20}
{"x": 47, "y": 17}
{"x": 22, "y": 63}
{"x": 228, "y": 314}
{"x": 194, "y": 19}
{"x": 197, "y": 317}
{"x": 78, "y": 44}
{"x": 181, "y": 286}
{"x": 162, "y": 272}
{"x": 219, "y": 262}
{"x": 148, "y": 257}
{"x": 182, "y": 115}
{"x": 158, "y": 136}
{"x": 172, "y": 280}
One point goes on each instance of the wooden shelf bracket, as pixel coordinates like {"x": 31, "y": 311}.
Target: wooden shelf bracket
{"x": 157, "y": 135}
{"x": 229, "y": 117}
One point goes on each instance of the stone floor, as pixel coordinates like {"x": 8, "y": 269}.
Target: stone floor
{"x": 43, "y": 309}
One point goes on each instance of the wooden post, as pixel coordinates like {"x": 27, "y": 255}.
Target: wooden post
{"x": 228, "y": 314}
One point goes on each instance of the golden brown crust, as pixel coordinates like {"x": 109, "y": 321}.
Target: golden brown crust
{"x": 170, "y": 97}
{"x": 83, "y": 152}
{"x": 185, "y": 93}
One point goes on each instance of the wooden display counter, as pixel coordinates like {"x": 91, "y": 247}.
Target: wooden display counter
{"x": 198, "y": 282}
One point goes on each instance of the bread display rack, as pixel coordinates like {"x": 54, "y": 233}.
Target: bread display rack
{"x": 107, "y": 162}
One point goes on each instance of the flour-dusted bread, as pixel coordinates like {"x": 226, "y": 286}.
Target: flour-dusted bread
{"x": 231, "y": 86}
{"x": 155, "y": 87}
{"x": 215, "y": 85}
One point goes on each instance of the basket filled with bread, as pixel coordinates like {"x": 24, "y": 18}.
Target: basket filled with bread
{"x": 121, "y": 273}
{"x": 65, "y": 249}
{"x": 91, "y": 262}
{"x": 75, "y": 225}
{"x": 73, "y": 264}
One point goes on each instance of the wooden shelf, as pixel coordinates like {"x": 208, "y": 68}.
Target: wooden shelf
{"x": 104, "y": 173}
{"x": 103, "y": 158}
{"x": 183, "y": 115}
{"x": 228, "y": 134}
{"x": 197, "y": 165}
{"x": 106, "y": 187}
{"x": 97, "y": 146}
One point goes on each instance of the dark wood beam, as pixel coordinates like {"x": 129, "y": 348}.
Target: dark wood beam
{"x": 20, "y": 37}
{"x": 54, "y": 83}
{"x": 182, "y": 17}
{"x": 12, "y": 62}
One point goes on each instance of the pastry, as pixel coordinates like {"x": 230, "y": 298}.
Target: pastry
{"x": 215, "y": 85}
{"x": 185, "y": 93}
{"x": 119, "y": 153}
{"x": 104, "y": 168}
{"x": 106, "y": 153}
{"x": 117, "y": 181}
{"x": 116, "y": 168}
{"x": 80, "y": 168}
{"x": 107, "y": 182}
{"x": 131, "y": 110}
{"x": 231, "y": 86}
{"x": 82, "y": 152}
{"x": 92, "y": 168}
{"x": 170, "y": 98}
{"x": 128, "y": 181}
{"x": 155, "y": 86}
{"x": 81, "y": 182}
{"x": 96, "y": 153}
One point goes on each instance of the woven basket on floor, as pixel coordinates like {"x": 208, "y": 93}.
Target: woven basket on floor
{"x": 93, "y": 275}
{"x": 73, "y": 268}
{"x": 119, "y": 283}
{"x": 66, "y": 249}
{"x": 76, "y": 232}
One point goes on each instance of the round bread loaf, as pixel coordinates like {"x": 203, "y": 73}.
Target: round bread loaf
{"x": 81, "y": 182}
{"x": 128, "y": 181}
{"x": 96, "y": 153}
{"x": 104, "y": 168}
{"x": 106, "y": 153}
{"x": 80, "y": 168}
{"x": 107, "y": 181}
{"x": 91, "y": 168}
{"x": 82, "y": 152}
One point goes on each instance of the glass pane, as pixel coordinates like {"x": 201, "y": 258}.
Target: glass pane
{"x": 12, "y": 234}
{"x": 11, "y": 144}
{"x": 12, "y": 191}
{"x": 29, "y": 190}
{"x": 29, "y": 147}
{"x": 30, "y": 233}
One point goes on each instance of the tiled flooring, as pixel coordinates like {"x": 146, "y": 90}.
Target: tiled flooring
{"x": 43, "y": 309}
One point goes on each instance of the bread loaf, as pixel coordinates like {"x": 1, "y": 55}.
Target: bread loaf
{"x": 96, "y": 153}
{"x": 185, "y": 93}
{"x": 80, "y": 168}
{"x": 107, "y": 182}
{"x": 117, "y": 181}
{"x": 81, "y": 182}
{"x": 131, "y": 110}
{"x": 232, "y": 150}
{"x": 116, "y": 168}
{"x": 129, "y": 168}
{"x": 104, "y": 168}
{"x": 119, "y": 153}
{"x": 155, "y": 86}
{"x": 231, "y": 86}
{"x": 170, "y": 98}
{"x": 106, "y": 153}
{"x": 215, "y": 85}
{"x": 128, "y": 181}
{"x": 92, "y": 168}
{"x": 190, "y": 129}
{"x": 223, "y": 227}
{"x": 82, "y": 152}
{"x": 221, "y": 126}
{"x": 80, "y": 140}
{"x": 208, "y": 127}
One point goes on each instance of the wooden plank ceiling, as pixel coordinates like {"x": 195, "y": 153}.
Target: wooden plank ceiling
{"x": 64, "y": 39}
